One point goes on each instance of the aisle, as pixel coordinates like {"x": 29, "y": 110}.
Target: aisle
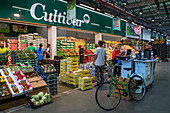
{"x": 156, "y": 100}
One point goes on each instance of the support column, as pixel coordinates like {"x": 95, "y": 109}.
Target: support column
{"x": 98, "y": 36}
{"x": 52, "y": 33}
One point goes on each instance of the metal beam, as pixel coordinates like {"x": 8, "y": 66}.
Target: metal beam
{"x": 166, "y": 10}
{"x": 144, "y": 5}
{"x": 144, "y": 13}
{"x": 156, "y": 15}
{"x": 157, "y": 3}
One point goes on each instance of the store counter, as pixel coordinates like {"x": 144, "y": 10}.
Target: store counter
{"x": 145, "y": 68}
{"x": 126, "y": 64}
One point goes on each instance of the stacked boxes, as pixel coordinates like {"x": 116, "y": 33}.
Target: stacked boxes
{"x": 35, "y": 39}
{"x": 75, "y": 64}
{"x": 64, "y": 78}
{"x": 73, "y": 79}
{"x": 63, "y": 66}
{"x": 69, "y": 64}
{"x": 85, "y": 83}
{"x": 59, "y": 45}
{"x": 91, "y": 46}
{"x": 12, "y": 44}
{"x": 52, "y": 83}
{"x": 22, "y": 44}
{"x": 57, "y": 66}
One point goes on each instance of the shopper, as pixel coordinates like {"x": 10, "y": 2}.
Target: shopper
{"x": 4, "y": 52}
{"x": 31, "y": 47}
{"x": 116, "y": 52}
{"x": 152, "y": 50}
{"x": 40, "y": 53}
{"x": 48, "y": 53}
{"x": 81, "y": 51}
{"x": 99, "y": 62}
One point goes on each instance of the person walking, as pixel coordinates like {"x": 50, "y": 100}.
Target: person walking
{"x": 40, "y": 52}
{"x": 99, "y": 62}
{"x": 31, "y": 47}
{"x": 48, "y": 53}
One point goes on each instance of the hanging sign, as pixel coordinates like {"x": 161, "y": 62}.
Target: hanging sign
{"x": 116, "y": 24}
{"x": 4, "y": 27}
{"x": 71, "y": 9}
{"x": 138, "y": 29}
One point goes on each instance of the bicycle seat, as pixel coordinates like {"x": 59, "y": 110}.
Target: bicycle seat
{"x": 127, "y": 69}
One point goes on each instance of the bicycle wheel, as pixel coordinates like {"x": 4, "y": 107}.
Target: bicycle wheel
{"x": 106, "y": 97}
{"x": 137, "y": 88}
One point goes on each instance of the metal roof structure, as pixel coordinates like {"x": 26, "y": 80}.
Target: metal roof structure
{"x": 156, "y": 11}
{"x": 152, "y": 14}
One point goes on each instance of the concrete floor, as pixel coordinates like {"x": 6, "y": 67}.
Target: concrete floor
{"x": 157, "y": 99}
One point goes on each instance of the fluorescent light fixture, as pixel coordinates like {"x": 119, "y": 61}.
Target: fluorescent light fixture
{"x": 124, "y": 20}
{"x": 107, "y": 14}
{"x": 87, "y": 6}
{"x": 95, "y": 24}
{"x": 17, "y": 15}
{"x": 21, "y": 8}
{"x": 98, "y": 9}
{"x": 108, "y": 27}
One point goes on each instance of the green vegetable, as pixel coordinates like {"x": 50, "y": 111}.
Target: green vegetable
{"x": 48, "y": 98}
{"x": 36, "y": 97}
{"x": 37, "y": 103}
{"x": 41, "y": 102}
{"x": 44, "y": 99}
{"x": 33, "y": 100}
{"x": 40, "y": 94}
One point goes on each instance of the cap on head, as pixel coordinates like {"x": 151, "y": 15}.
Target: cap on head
{"x": 79, "y": 46}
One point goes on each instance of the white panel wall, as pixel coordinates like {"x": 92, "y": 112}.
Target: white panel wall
{"x": 146, "y": 34}
{"x": 43, "y": 31}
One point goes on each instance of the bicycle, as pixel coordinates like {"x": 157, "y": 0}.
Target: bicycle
{"x": 108, "y": 94}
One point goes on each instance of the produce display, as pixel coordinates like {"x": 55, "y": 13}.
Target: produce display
{"x": 13, "y": 68}
{"x": 31, "y": 74}
{"x": 21, "y": 54}
{"x": 109, "y": 53}
{"x": 49, "y": 68}
{"x": 15, "y": 80}
{"x": 22, "y": 81}
{"x": 13, "y": 86}
{"x": 4, "y": 91}
{"x": 40, "y": 99}
{"x": 25, "y": 67}
{"x": 30, "y": 54}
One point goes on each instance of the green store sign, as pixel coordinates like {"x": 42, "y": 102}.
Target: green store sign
{"x": 54, "y": 13}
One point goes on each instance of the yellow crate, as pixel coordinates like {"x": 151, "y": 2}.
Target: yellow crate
{"x": 73, "y": 83}
{"x": 73, "y": 79}
{"x": 85, "y": 88}
{"x": 74, "y": 75}
{"x": 92, "y": 78}
{"x": 84, "y": 80}
{"x": 85, "y": 84}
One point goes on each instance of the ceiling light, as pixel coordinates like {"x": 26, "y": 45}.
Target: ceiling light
{"x": 140, "y": 12}
{"x": 17, "y": 15}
